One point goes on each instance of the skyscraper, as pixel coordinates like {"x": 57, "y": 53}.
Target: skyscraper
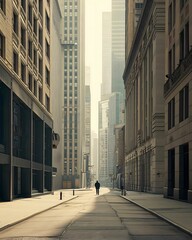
{"x": 118, "y": 45}
{"x": 74, "y": 77}
{"x": 25, "y": 85}
{"x": 106, "y": 54}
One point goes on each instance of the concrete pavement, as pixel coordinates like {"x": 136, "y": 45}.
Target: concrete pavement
{"x": 175, "y": 212}
{"x": 24, "y": 208}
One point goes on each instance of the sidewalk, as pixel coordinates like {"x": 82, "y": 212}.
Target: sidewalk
{"x": 176, "y": 212}
{"x": 21, "y": 209}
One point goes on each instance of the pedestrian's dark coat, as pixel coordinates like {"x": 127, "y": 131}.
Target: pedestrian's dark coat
{"x": 97, "y": 185}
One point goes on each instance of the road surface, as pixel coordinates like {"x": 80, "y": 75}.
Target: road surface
{"x": 91, "y": 217}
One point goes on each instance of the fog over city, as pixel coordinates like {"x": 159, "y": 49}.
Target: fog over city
{"x": 93, "y": 47}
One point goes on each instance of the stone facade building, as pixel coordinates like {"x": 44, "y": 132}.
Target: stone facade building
{"x": 73, "y": 42}
{"x": 25, "y": 118}
{"x": 143, "y": 80}
{"x": 178, "y": 100}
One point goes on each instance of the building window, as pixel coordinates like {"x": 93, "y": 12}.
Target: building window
{"x": 23, "y": 36}
{"x": 30, "y": 49}
{"x": 15, "y": 23}
{"x": 184, "y": 103}
{"x": 30, "y": 82}
{"x": 182, "y": 2}
{"x": 170, "y": 61}
{"x": 35, "y": 87}
{"x": 186, "y": 38}
{"x": 184, "y": 41}
{"x": 47, "y": 22}
{"x": 2, "y": 46}
{"x": 47, "y": 49}
{"x": 171, "y": 113}
{"x": 23, "y": 72}
{"x": 41, "y": 7}
{"x": 35, "y": 57}
{"x": 15, "y": 62}
{"x": 41, "y": 66}
{"x": 174, "y": 11}
{"x": 35, "y": 25}
{"x": 173, "y": 58}
{"x": 2, "y": 5}
{"x": 41, "y": 36}
{"x": 47, "y": 102}
{"x": 47, "y": 76}
{"x": 30, "y": 14}
{"x": 170, "y": 18}
{"x": 40, "y": 94}
{"x": 23, "y": 4}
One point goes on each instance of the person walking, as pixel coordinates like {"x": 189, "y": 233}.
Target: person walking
{"x": 97, "y": 187}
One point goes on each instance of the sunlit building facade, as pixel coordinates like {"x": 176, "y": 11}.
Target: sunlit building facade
{"x": 143, "y": 80}
{"x": 133, "y": 13}
{"x": 25, "y": 118}
{"x": 178, "y": 101}
{"x": 74, "y": 85}
{"x": 57, "y": 90}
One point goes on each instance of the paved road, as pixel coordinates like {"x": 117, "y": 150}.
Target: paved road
{"x": 92, "y": 217}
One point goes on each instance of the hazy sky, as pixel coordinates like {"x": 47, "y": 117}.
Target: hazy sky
{"x": 93, "y": 54}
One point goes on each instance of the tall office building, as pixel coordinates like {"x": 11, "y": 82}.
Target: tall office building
{"x": 88, "y": 134}
{"x": 118, "y": 45}
{"x": 94, "y": 158}
{"x": 25, "y": 85}
{"x": 106, "y": 54}
{"x": 74, "y": 102}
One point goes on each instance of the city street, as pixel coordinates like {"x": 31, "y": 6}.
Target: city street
{"x": 107, "y": 216}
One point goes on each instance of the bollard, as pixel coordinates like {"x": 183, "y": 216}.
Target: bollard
{"x": 125, "y": 193}
{"x": 73, "y": 192}
{"x": 61, "y": 195}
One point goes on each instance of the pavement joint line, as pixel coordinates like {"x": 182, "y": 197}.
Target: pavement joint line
{"x": 160, "y": 216}
{"x": 35, "y": 214}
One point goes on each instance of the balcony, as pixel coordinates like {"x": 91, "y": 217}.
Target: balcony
{"x": 180, "y": 72}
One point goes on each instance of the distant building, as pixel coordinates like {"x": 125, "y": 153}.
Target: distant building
{"x": 25, "y": 100}
{"x": 106, "y": 54}
{"x": 120, "y": 155}
{"x": 106, "y": 136}
{"x": 94, "y": 158}
{"x": 73, "y": 42}
{"x": 87, "y": 126}
{"x": 178, "y": 101}
{"x": 118, "y": 45}
{"x": 144, "y": 80}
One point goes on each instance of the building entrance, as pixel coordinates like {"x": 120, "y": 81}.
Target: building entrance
{"x": 171, "y": 172}
{"x": 183, "y": 171}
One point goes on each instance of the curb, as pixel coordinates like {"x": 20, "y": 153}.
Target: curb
{"x": 160, "y": 216}
{"x": 35, "y": 214}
